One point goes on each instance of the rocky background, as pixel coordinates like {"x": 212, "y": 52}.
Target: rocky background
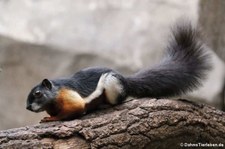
{"x": 48, "y": 39}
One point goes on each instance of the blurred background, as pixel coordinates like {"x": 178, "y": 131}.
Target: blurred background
{"x": 53, "y": 38}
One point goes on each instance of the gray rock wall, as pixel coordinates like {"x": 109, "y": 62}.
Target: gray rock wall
{"x": 98, "y": 26}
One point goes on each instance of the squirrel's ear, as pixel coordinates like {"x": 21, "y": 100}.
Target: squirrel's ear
{"x": 47, "y": 83}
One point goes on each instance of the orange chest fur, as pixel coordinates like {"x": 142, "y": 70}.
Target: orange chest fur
{"x": 70, "y": 102}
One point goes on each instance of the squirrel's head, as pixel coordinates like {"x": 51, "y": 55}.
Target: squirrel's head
{"x": 41, "y": 95}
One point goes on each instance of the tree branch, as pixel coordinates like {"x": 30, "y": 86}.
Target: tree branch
{"x": 145, "y": 123}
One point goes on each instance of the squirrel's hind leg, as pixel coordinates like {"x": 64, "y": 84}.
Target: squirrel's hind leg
{"x": 110, "y": 85}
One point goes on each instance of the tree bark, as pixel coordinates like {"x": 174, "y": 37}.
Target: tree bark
{"x": 144, "y": 123}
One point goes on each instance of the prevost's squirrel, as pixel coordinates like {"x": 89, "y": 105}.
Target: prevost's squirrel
{"x": 182, "y": 70}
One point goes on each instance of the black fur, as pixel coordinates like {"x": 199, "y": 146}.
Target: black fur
{"x": 182, "y": 70}
{"x": 47, "y": 93}
{"x": 84, "y": 81}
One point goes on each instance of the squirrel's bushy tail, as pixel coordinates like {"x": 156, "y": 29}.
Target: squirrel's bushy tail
{"x": 182, "y": 70}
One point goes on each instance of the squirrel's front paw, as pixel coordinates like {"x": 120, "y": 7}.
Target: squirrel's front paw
{"x": 48, "y": 119}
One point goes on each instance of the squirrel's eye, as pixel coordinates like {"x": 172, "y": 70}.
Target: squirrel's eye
{"x": 38, "y": 94}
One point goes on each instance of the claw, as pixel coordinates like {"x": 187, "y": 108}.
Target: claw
{"x": 49, "y": 119}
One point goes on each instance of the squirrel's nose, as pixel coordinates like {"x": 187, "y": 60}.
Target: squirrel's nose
{"x": 28, "y": 107}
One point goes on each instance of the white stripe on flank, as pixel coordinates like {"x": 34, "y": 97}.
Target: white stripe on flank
{"x": 112, "y": 88}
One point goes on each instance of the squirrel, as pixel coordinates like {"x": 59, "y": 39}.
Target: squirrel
{"x": 182, "y": 70}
